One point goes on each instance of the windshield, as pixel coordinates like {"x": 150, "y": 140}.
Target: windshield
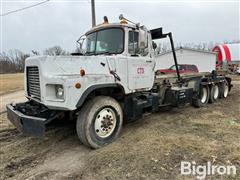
{"x": 105, "y": 41}
{"x": 173, "y": 67}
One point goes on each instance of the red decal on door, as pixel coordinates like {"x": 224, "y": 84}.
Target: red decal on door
{"x": 140, "y": 70}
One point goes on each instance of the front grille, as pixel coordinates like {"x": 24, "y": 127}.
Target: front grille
{"x": 33, "y": 82}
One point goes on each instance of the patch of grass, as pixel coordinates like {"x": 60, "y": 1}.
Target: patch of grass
{"x": 11, "y": 83}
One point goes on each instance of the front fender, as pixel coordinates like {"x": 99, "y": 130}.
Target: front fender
{"x": 92, "y": 88}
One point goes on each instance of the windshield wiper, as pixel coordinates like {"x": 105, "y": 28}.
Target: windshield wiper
{"x": 105, "y": 52}
{"x": 99, "y": 53}
{"x": 89, "y": 53}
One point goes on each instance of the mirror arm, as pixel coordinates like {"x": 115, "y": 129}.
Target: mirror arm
{"x": 80, "y": 38}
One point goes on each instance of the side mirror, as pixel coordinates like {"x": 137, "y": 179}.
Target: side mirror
{"x": 81, "y": 42}
{"x": 143, "y": 38}
{"x": 142, "y": 45}
{"x": 143, "y": 48}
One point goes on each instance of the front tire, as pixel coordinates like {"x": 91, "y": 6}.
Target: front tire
{"x": 99, "y": 122}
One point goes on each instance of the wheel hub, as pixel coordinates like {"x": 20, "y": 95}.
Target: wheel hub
{"x": 105, "y": 122}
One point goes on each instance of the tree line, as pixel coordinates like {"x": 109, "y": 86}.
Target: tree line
{"x": 165, "y": 46}
{"x": 14, "y": 60}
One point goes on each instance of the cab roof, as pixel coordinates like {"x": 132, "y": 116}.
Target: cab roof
{"x": 110, "y": 25}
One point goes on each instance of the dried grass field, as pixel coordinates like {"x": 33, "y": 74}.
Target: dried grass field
{"x": 11, "y": 83}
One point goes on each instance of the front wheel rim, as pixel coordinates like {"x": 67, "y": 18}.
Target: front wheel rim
{"x": 105, "y": 123}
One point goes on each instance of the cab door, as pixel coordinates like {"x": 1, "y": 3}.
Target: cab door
{"x": 140, "y": 66}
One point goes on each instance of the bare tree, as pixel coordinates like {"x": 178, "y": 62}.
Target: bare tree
{"x": 55, "y": 51}
{"x": 18, "y": 58}
{"x": 13, "y": 61}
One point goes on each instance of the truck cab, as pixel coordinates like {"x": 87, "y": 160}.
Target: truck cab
{"x": 113, "y": 55}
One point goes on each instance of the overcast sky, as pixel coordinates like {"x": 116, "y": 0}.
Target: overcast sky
{"x": 61, "y": 23}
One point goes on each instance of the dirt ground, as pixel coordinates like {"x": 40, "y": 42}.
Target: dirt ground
{"x": 11, "y": 83}
{"x": 9, "y": 98}
{"x": 151, "y": 148}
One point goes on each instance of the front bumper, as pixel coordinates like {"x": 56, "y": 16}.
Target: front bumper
{"x": 31, "y": 125}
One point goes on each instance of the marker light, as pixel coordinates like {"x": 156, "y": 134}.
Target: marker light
{"x": 105, "y": 20}
{"x": 78, "y": 85}
{"x": 82, "y": 72}
{"x": 123, "y": 21}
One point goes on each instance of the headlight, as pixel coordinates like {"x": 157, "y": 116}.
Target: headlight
{"x": 59, "y": 91}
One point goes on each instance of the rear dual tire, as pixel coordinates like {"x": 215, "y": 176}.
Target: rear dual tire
{"x": 224, "y": 90}
{"x": 202, "y": 98}
{"x": 210, "y": 95}
{"x": 214, "y": 93}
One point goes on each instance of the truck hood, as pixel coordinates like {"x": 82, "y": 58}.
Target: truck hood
{"x": 71, "y": 65}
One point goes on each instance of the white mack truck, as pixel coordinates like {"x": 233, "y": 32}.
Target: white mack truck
{"x": 110, "y": 82}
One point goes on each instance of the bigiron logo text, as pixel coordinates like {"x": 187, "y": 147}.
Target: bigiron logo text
{"x": 203, "y": 170}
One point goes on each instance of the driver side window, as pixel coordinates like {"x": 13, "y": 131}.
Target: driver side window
{"x": 133, "y": 43}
